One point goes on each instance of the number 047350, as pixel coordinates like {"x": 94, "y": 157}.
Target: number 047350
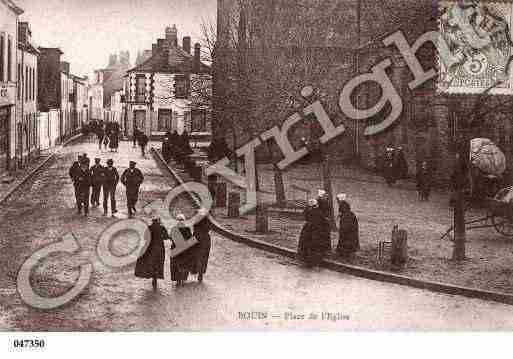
{"x": 29, "y": 343}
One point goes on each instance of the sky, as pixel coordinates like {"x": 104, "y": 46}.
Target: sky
{"x": 87, "y": 31}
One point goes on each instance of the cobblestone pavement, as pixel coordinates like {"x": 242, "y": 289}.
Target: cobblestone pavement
{"x": 240, "y": 279}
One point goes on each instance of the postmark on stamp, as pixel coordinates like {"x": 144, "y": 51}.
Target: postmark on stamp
{"x": 475, "y": 46}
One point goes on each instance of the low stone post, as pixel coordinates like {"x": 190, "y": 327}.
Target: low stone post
{"x": 262, "y": 219}
{"x": 399, "y": 255}
{"x": 234, "y": 205}
{"x": 221, "y": 193}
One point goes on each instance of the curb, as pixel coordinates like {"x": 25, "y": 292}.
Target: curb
{"x": 356, "y": 270}
{"x": 15, "y": 188}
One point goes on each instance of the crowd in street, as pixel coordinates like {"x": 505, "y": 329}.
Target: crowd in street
{"x": 107, "y": 134}
{"x": 89, "y": 181}
{"x": 190, "y": 248}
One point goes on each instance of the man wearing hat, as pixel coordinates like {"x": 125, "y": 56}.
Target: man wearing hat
{"x": 110, "y": 182}
{"x": 86, "y": 159}
{"x": 83, "y": 185}
{"x": 73, "y": 174}
{"x": 132, "y": 178}
{"x": 96, "y": 178}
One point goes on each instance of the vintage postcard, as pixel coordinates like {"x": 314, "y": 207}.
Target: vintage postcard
{"x": 240, "y": 165}
{"x": 475, "y": 46}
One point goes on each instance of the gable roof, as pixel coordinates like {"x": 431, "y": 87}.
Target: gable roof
{"x": 14, "y": 8}
{"x": 170, "y": 60}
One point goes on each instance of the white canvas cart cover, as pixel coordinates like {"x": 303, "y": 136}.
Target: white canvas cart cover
{"x": 487, "y": 156}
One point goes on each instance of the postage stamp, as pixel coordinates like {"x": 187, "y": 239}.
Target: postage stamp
{"x": 475, "y": 46}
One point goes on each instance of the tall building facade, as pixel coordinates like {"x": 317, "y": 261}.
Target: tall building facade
{"x": 27, "y": 121}
{"x": 9, "y": 13}
{"x": 280, "y": 47}
{"x": 171, "y": 90}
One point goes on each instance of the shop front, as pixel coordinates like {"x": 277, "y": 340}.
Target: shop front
{"x": 7, "y": 102}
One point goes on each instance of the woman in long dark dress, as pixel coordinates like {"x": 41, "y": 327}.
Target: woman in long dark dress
{"x": 113, "y": 141}
{"x": 182, "y": 264}
{"x": 312, "y": 246}
{"x": 202, "y": 249}
{"x": 151, "y": 263}
{"x": 348, "y": 242}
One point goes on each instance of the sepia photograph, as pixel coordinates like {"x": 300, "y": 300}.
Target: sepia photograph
{"x": 238, "y": 166}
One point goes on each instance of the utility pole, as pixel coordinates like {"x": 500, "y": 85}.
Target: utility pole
{"x": 461, "y": 176}
{"x": 357, "y": 68}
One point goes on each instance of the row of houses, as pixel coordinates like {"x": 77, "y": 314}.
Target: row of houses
{"x": 41, "y": 102}
{"x": 168, "y": 89}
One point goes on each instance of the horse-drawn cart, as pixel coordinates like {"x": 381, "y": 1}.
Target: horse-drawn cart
{"x": 488, "y": 164}
{"x": 499, "y": 214}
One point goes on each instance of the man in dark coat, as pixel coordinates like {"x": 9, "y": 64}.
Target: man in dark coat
{"x": 96, "y": 181}
{"x": 143, "y": 141}
{"x": 388, "y": 166}
{"x": 100, "y": 133}
{"x": 132, "y": 178}
{"x": 400, "y": 164}
{"x": 173, "y": 144}
{"x": 74, "y": 172}
{"x": 202, "y": 249}
{"x": 151, "y": 263}
{"x": 424, "y": 181}
{"x": 348, "y": 242}
{"x": 135, "y": 136}
{"x": 166, "y": 150}
{"x": 84, "y": 185}
{"x": 110, "y": 182}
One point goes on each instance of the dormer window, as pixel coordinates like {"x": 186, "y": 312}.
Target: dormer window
{"x": 182, "y": 86}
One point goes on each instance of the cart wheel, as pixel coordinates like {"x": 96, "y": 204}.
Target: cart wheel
{"x": 503, "y": 226}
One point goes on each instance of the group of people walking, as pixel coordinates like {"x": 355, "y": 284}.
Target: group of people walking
{"x": 176, "y": 146}
{"x": 315, "y": 237}
{"x": 395, "y": 168}
{"x": 193, "y": 260}
{"x": 107, "y": 134}
{"x": 89, "y": 181}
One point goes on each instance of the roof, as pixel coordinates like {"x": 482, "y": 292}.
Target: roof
{"x": 28, "y": 48}
{"x": 172, "y": 60}
{"x": 41, "y": 49}
{"x": 15, "y": 8}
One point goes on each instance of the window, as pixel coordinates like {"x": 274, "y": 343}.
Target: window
{"x": 27, "y": 79}
{"x": 164, "y": 122}
{"x": 182, "y": 86}
{"x": 2, "y": 58}
{"x": 9, "y": 60}
{"x": 140, "y": 92}
{"x": 19, "y": 83}
{"x": 198, "y": 121}
{"x": 33, "y": 77}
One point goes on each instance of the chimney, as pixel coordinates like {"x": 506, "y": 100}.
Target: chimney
{"x": 65, "y": 67}
{"x": 172, "y": 36}
{"x": 113, "y": 59}
{"x": 146, "y": 55}
{"x": 124, "y": 58}
{"x": 186, "y": 44}
{"x": 153, "y": 49}
{"x": 197, "y": 57}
